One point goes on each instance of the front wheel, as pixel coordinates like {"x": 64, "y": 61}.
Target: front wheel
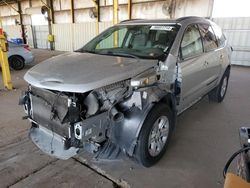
{"x": 155, "y": 134}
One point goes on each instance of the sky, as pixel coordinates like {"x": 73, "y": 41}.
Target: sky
{"x": 231, "y": 8}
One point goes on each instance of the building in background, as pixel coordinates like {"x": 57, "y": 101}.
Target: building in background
{"x": 73, "y": 22}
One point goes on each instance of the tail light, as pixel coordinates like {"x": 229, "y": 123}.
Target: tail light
{"x": 27, "y": 47}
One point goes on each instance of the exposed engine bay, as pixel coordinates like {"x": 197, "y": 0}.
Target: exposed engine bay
{"x": 85, "y": 120}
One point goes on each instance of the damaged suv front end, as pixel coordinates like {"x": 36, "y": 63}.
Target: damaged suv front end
{"x": 63, "y": 122}
{"x": 98, "y": 98}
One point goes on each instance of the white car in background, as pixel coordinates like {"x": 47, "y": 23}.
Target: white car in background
{"x": 19, "y": 55}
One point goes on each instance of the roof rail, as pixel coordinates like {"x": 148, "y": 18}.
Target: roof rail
{"x": 130, "y": 20}
{"x": 187, "y": 17}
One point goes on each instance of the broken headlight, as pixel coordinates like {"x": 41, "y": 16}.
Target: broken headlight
{"x": 144, "y": 79}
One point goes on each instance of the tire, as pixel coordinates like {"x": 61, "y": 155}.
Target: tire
{"x": 150, "y": 150}
{"x": 218, "y": 93}
{"x": 16, "y": 62}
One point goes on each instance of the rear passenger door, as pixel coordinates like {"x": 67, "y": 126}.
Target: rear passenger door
{"x": 192, "y": 67}
{"x": 212, "y": 65}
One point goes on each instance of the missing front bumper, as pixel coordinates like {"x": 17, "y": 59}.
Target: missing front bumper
{"x": 51, "y": 143}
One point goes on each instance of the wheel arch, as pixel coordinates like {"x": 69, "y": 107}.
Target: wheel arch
{"x": 16, "y": 55}
{"x": 170, "y": 100}
{"x": 167, "y": 98}
{"x": 224, "y": 69}
{"x": 127, "y": 132}
{"x": 228, "y": 69}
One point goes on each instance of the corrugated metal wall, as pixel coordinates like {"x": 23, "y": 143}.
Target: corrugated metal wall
{"x": 237, "y": 31}
{"x": 69, "y": 37}
{"x": 82, "y": 33}
{"x": 104, "y": 25}
{"x": 29, "y": 34}
{"x": 40, "y": 34}
{"x": 140, "y": 9}
{"x": 63, "y": 36}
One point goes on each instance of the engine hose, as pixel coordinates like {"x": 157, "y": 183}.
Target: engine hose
{"x": 112, "y": 108}
{"x": 245, "y": 149}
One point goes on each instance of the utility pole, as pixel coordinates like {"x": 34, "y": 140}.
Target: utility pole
{"x": 97, "y": 15}
{"x": 129, "y": 9}
{"x": 115, "y": 21}
{"x": 21, "y": 22}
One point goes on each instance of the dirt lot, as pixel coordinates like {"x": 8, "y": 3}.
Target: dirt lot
{"x": 205, "y": 136}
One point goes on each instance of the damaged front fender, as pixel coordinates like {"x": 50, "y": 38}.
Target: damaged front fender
{"x": 125, "y": 133}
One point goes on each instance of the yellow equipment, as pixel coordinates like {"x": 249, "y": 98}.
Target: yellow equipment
{"x": 115, "y": 21}
{"x": 4, "y": 61}
{"x": 233, "y": 181}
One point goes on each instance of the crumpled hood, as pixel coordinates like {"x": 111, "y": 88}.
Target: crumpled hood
{"x": 81, "y": 72}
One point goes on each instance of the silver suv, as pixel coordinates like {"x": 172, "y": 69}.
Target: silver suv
{"x": 121, "y": 92}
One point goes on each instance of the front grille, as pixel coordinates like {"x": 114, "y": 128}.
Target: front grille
{"x": 50, "y": 109}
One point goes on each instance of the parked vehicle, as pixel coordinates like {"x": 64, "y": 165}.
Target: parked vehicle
{"x": 19, "y": 55}
{"x": 124, "y": 89}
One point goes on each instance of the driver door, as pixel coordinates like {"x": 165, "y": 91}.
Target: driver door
{"x": 192, "y": 67}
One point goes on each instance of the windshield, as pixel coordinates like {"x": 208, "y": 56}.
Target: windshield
{"x": 143, "y": 41}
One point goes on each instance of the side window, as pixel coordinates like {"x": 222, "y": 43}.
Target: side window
{"x": 191, "y": 44}
{"x": 219, "y": 34}
{"x": 209, "y": 39}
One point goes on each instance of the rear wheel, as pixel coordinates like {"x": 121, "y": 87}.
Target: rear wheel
{"x": 155, "y": 134}
{"x": 16, "y": 62}
{"x": 218, "y": 93}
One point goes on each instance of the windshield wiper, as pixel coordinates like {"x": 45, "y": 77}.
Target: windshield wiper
{"x": 121, "y": 54}
{"x": 84, "y": 51}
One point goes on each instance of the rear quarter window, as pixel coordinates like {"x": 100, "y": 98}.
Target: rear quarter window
{"x": 209, "y": 39}
{"x": 219, "y": 35}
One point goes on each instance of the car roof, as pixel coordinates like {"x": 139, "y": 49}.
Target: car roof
{"x": 182, "y": 20}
